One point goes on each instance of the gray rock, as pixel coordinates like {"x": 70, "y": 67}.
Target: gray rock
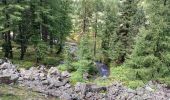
{"x": 65, "y": 96}
{"x": 6, "y": 66}
{"x": 14, "y": 77}
{"x": 65, "y": 74}
{"x": 5, "y": 79}
{"x": 54, "y": 71}
{"x": 1, "y": 61}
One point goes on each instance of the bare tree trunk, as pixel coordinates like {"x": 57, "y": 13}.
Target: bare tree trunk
{"x": 165, "y": 2}
{"x": 95, "y": 35}
{"x": 84, "y": 17}
{"x": 8, "y": 48}
{"x": 51, "y": 42}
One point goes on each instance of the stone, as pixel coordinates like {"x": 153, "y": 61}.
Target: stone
{"x": 53, "y": 71}
{"x": 14, "y": 77}
{"x": 52, "y": 82}
{"x": 1, "y": 61}
{"x": 65, "y": 74}
{"x": 6, "y": 66}
{"x": 45, "y": 82}
{"x": 5, "y": 79}
{"x": 65, "y": 96}
{"x": 85, "y": 76}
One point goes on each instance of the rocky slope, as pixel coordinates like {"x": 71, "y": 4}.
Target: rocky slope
{"x": 52, "y": 82}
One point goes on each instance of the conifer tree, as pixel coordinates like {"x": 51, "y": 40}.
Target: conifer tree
{"x": 153, "y": 48}
{"x": 124, "y": 36}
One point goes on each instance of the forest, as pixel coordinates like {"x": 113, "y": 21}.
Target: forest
{"x": 88, "y": 41}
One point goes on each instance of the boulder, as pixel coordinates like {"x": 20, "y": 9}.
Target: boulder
{"x": 66, "y": 96}
{"x": 54, "y": 71}
{"x": 65, "y": 74}
{"x": 5, "y": 79}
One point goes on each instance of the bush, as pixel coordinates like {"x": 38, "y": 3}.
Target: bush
{"x": 134, "y": 84}
{"x": 51, "y": 61}
{"x": 76, "y": 77}
{"x": 63, "y": 67}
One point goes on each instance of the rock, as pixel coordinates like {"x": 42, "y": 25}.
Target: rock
{"x": 85, "y": 76}
{"x": 52, "y": 82}
{"x": 6, "y": 66}
{"x": 89, "y": 94}
{"x": 14, "y": 77}
{"x": 5, "y": 79}
{"x": 80, "y": 87}
{"x": 149, "y": 89}
{"x": 45, "y": 82}
{"x": 65, "y": 74}
{"x": 67, "y": 86}
{"x": 1, "y": 61}
{"x": 65, "y": 96}
{"x": 42, "y": 76}
{"x": 54, "y": 71}
{"x": 95, "y": 88}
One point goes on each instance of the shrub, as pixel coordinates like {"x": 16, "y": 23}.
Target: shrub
{"x": 76, "y": 77}
{"x": 134, "y": 84}
{"x": 51, "y": 61}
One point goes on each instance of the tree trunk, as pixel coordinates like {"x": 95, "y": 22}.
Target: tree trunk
{"x": 22, "y": 43}
{"x": 51, "y": 42}
{"x": 8, "y": 48}
{"x": 95, "y": 35}
{"x": 43, "y": 28}
{"x": 165, "y": 2}
{"x": 84, "y": 17}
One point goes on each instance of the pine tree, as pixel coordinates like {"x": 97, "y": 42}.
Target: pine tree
{"x": 152, "y": 48}
{"x": 109, "y": 31}
{"x": 124, "y": 35}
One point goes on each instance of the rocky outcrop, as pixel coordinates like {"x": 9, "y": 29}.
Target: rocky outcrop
{"x": 8, "y": 72}
{"x": 55, "y": 83}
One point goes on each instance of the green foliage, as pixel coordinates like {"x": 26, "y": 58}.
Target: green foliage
{"x": 85, "y": 48}
{"x": 63, "y": 67}
{"x": 40, "y": 50}
{"x": 24, "y": 64}
{"x": 135, "y": 84}
{"x": 67, "y": 56}
{"x": 152, "y": 48}
{"x": 52, "y": 61}
{"x": 128, "y": 76}
{"x": 76, "y": 77}
{"x": 78, "y": 69}
{"x": 9, "y": 97}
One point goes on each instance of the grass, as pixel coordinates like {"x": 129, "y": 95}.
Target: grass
{"x": 18, "y": 93}
{"x": 127, "y": 76}
{"x": 123, "y": 75}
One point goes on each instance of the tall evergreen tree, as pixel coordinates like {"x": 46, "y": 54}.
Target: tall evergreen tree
{"x": 152, "y": 48}
{"x": 124, "y": 35}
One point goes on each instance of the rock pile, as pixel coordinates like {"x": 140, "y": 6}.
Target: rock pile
{"x": 8, "y": 72}
{"x": 52, "y": 82}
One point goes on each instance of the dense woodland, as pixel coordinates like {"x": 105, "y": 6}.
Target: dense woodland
{"x": 130, "y": 36}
